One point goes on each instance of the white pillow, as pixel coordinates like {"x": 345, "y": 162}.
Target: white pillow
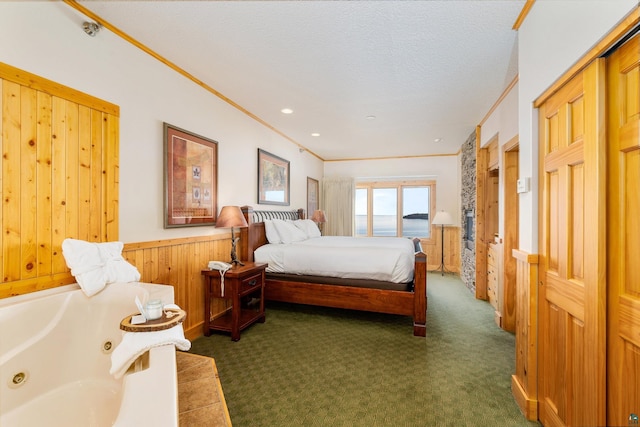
{"x": 94, "y": 265}
{"x": 308, "y": 227}
{"x": 271, "y": 232}
{"x": 288, "y": 232}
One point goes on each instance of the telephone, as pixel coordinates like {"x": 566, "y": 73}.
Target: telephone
{"x": 219, "y": 265}
{"x": 222, "y": 267}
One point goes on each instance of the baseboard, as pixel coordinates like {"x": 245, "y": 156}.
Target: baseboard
{"x": 497, "y": 317}
{"x": 528, "y": 406}
{"x": 194, "y": 331}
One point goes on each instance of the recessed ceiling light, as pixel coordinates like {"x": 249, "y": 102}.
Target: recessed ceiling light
{"x": 286, "y": 111}
{"x": 315, "y": 134}
{"x": 437, "y": 140}
{"x": 371, "y": 117}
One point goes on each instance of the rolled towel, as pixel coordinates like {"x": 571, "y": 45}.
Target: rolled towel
{"x": 134, "y": 344}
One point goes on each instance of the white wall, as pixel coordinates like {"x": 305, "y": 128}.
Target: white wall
{"x": 46, "y": 39}
{"x": 554, "y": 35}
{"x": 443, "y": 169}
{"x": 503, "y": 123}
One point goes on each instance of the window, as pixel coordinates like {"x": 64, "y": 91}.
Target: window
{"x": 394, "y": 208}
{"x": 385, "y": 212}
{"x": 362, "y": 207}
{"x": 415, "y": 211}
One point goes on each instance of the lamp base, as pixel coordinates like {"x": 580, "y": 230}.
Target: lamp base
{"x": 234, "y": 256}
{"x": 441, "y": 269}
{"x": 441, "y": 266}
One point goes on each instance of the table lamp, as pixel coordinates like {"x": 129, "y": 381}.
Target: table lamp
{"x": 319, "y": 218}
{"x": 231, "y": 216}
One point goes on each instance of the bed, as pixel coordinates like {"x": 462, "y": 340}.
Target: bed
{"x": 355, "y": 292}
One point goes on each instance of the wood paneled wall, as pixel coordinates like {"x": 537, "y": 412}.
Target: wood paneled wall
{"x": 179, "y": 262}
{"x": 59, "y": 172}
{"x": 524, "y": 383}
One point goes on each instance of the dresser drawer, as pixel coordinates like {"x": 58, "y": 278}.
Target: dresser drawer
{"x": 492, "y": 256}
{"x": 250, "y": 283}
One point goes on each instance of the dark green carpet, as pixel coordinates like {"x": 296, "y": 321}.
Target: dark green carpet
{"x": 314, "y": 366}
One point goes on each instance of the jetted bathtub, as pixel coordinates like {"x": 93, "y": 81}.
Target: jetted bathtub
{"x": 55, "y": 356}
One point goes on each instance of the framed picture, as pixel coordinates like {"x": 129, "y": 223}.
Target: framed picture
{"x": 273, "y": 179}
{"x": 190, "y": 178}
{"x": 313, "y": 195}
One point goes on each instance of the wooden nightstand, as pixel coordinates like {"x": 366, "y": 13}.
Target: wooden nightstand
{"x": 244, "y": 286}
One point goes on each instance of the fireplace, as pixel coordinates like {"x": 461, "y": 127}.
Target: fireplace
{"x": 469, "y": 235}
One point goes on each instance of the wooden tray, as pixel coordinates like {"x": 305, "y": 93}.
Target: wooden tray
{"x": 154, "y": 325}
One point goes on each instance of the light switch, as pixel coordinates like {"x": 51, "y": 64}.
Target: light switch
{"x": 522, "y": 185}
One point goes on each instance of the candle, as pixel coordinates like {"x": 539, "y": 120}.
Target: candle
{"x": 153, "y": 309}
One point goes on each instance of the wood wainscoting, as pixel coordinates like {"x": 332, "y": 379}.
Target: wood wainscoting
{"x": 452, "y": 244}
{"x": 524, "y": 383}
{"x": 179, "y": 262}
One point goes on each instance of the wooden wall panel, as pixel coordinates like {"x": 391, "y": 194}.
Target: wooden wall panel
{"x": 524, "y": 383}
{"x": 10, "y": 182}
{"x": 481, "y": 219}
{"x": 59, "y": 177}
{"x": 44, "y": 183}
{"x": 72, "y": 186}
{"x": 28, "y": 182}
{"x": 452, "y": 251}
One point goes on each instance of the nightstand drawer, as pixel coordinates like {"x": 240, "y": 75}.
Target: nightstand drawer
{"x": 250, "y": 283}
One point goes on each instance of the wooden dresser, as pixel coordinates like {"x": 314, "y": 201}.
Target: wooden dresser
{"x": 493, "y": 274}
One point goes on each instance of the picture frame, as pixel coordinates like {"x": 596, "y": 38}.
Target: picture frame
{"x": 273, "y": 179}
{"x": 313, "y": 196}
{"x": 190, "y": 179}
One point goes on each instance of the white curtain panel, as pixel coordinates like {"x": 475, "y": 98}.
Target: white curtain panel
{"x": 338, "y": 196}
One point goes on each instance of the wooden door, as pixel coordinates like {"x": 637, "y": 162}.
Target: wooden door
{"x": 623, "y": 233}
{"x": 571, "y": 335}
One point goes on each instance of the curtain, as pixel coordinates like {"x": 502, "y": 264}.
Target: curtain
{"x": 338, "y": 196}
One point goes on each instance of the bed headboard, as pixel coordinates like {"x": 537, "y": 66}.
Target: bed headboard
{"x": 253, "y": 236}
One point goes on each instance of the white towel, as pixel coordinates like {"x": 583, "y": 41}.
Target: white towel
{"x": 134, "y": 344}
{"x": 94, "y": 265}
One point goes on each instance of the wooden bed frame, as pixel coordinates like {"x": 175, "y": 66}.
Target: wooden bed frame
{"x": 407, "y": 303}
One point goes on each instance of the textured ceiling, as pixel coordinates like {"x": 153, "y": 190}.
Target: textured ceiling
{"x": 424, "y": 69}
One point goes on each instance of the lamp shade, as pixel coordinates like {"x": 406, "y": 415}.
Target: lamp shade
{"x": 318, "y": 216}
{"x": 231, "y": 216}
{"x": 442, "y": 218}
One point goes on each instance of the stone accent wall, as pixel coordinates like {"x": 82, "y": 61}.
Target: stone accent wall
{"x": 468, "y": 202}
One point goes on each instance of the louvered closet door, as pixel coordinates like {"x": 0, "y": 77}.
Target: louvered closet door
{"x": 623, "y": 272}
{"x": 571, "y": 288}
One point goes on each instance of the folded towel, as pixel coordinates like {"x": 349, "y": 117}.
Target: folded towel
{"x": 134, "y": 344}
{"x": 94, "y": 265}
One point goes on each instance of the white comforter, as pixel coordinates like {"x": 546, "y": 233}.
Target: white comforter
{"x": 378, "y": 258}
